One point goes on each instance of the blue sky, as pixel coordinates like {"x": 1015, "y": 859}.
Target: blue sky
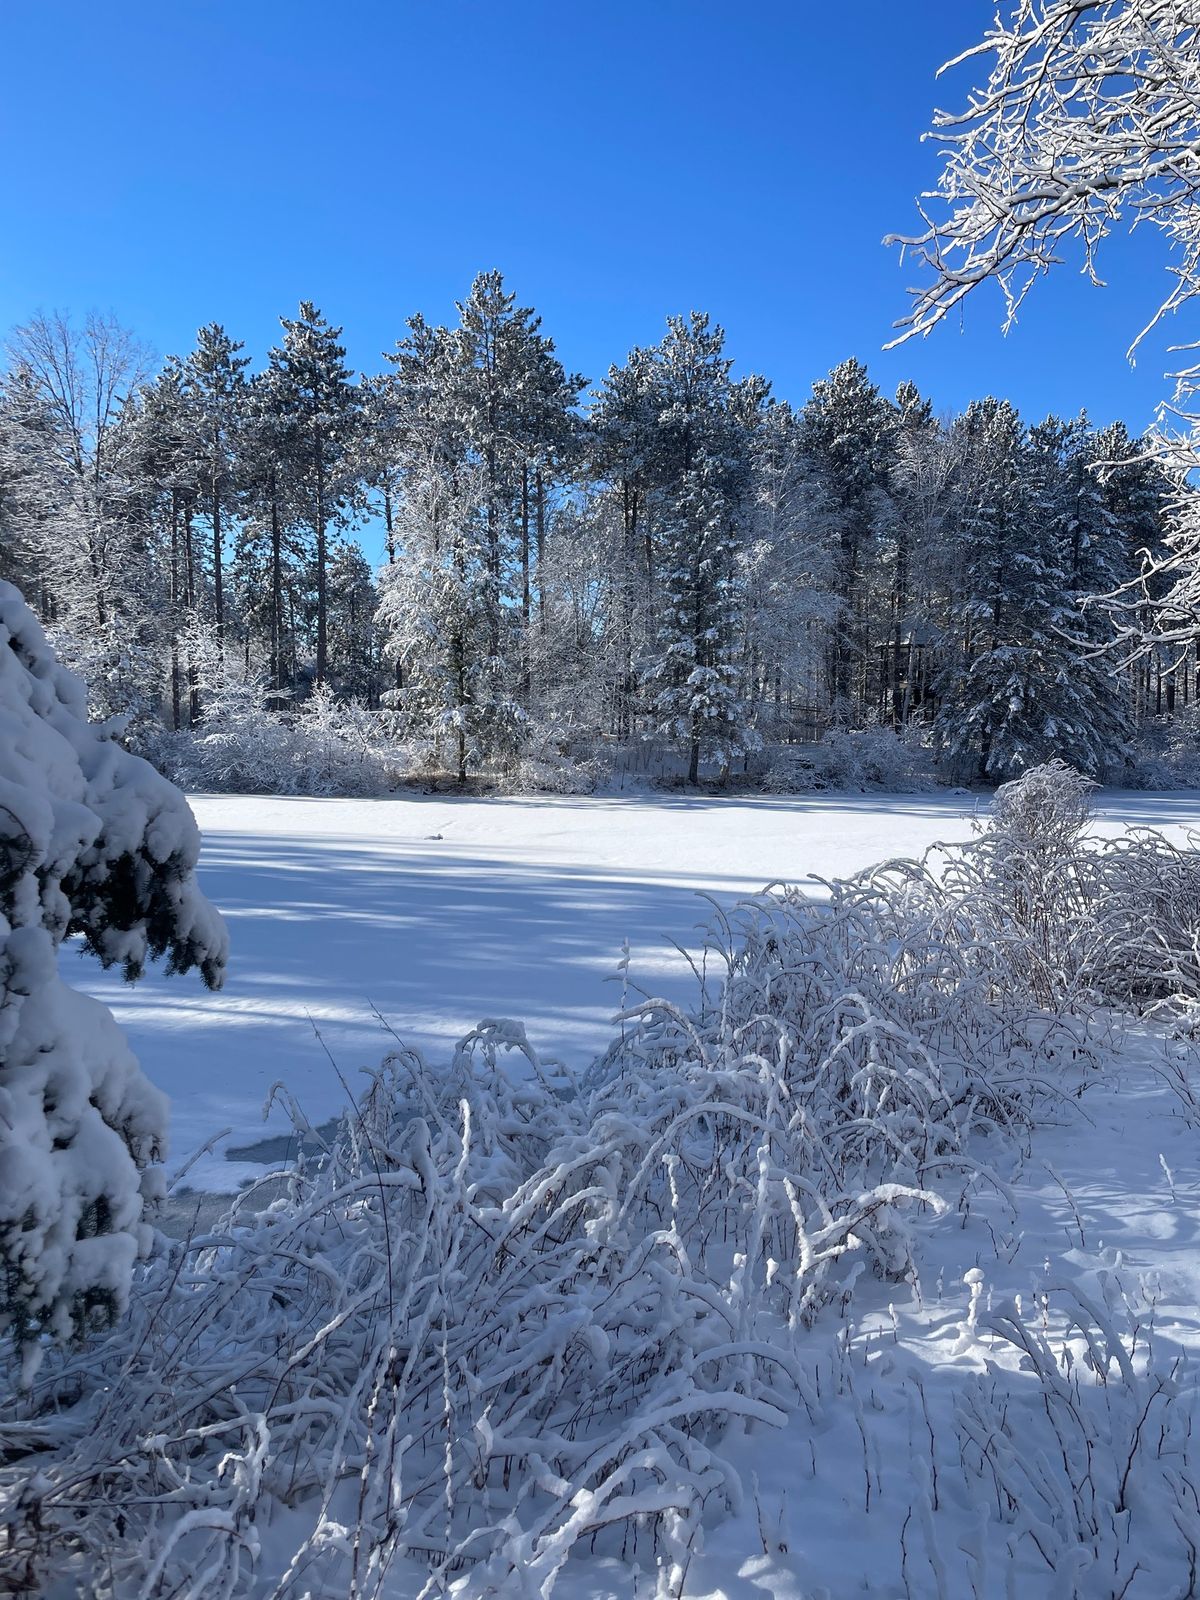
{"x": 184, "y": 162}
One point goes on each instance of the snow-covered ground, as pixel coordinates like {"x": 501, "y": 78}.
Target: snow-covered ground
{"x": 437, "y": 912}
{"x": 1108, "y": 1200}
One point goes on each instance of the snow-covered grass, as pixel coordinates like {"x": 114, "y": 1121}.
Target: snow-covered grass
{"x": 610, "y": 1332}
{"x": 438, "y": 912}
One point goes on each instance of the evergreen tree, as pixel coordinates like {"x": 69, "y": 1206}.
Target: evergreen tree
{"x": 436, "y": 616}
{"x": 1017, "y": 691}
{"x": 623, "y": 441}
{"x": 214, "y": 377}
{"x": 96, "y": 844}
{"x": 704, "y": 454}
{"x": 514, "y": 402}
{"x": 850, "y": 433}
{"x": 787, "y": 571}
{"x": 319, "y": 409}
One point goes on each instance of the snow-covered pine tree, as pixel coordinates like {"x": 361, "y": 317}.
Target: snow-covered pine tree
{"x": 93, "y": 843}
{"x": 318, "y": 408}
{"x": 1012, "y": 694}
{"x": 623, "y": 442}
{"x": 30, "y": 486}
{"x": 1139, "y": 496}
{"x": 353, "y": 646}
{"x": 269, "y": 564}
{"x": 215, "y": 383}
{"x": 787, "y": 575}
{"x": 849, "y": 431}
{"x": 438, "y": 623}
{"x": 705, "y": 428}
{"x": 514, "y": 403}
{"x": 1070, "y": 505}
{"x": 920, "y": 489}
{"x": 695, "y": 674}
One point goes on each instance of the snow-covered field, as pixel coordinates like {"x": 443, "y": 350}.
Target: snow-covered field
{"x": 924, "y": 1458}
{"x": 438, "y": 912}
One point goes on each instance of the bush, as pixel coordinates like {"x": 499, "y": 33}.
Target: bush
{"x": 1168, "y": 754}
{"x": 242, "y": 746}
{"x": 855, "y": 762}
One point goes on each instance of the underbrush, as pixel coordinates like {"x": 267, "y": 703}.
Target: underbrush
{"x": 1167, "y": 755}
{"x": 322, "y": 748}
{"x": 853, "y": 761}
{"x": 516, "y": 1314}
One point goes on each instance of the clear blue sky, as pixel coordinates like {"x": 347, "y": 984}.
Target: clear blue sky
{"x": 194, "y": 160}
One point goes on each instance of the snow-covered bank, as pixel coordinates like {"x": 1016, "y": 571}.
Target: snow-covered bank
{"x": 438, "y": 912}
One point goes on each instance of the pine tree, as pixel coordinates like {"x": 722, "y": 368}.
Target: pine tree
{"x": 622, "y": 442}
{"x": 93, "y": 842}
{"x": 31, "y": 489}
{"x": 1015, "y": 694}
{"x": 319, "y": 409}
{"x": 787, "y": 562}
{"x": 850, "y": 433}
{"x": 1069, "y": 503}
{"x": 268, "y": 558}
{"x": 436, "y": 617}
{"x": 704, "y": 454}
{"x": 214, "y": 378}
{"x": 353, "y": 648}
{"x": 514, "y": 401}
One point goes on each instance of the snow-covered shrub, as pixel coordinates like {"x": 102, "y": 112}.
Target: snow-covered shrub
{"x": 510, "y": 1313}
{"x": 1168, "y": 754}
{"x": 853, "y": 761}
{"x": 241, "y": 746}
{"x": 245, "y": 745}
{"x": 556, "y": 775}
{"x": 93, "y": 842}
{"x": 514, "y": 1311}
{"x": 1115, "y": 919}
{"x": 514, "y": 1314}
{"x": 1087, "y": 1460}
{"x": 547, "y": 764}
{"x": 336, "y": 749}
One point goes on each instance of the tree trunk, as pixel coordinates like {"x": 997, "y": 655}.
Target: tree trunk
{"x": 526, "y": 609}
{"x": 276, "y": 589}
{"x": 190, "y": 558}
{"x": 540, "y": 492}
{"x": 175, "y": 683}
{"x": 899, "y": 610}
{"x": 322, "y": 617}
{"x": 218, "y": 564}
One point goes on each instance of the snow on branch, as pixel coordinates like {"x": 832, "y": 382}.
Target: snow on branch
{"x": 1090, "y": 117}
{"x": 93, "y": 843}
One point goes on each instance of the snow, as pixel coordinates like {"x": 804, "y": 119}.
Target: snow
{"x": 1002, "y": 1406}
{"x": 438, "y": 912}
{"x": 94, "y": 839}
{"x": 1136, "y": 1227}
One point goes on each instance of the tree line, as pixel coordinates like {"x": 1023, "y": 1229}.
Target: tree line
{"x": 673, "y": 555}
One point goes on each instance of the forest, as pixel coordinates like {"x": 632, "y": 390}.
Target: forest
{"x": 667, "y": 571}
